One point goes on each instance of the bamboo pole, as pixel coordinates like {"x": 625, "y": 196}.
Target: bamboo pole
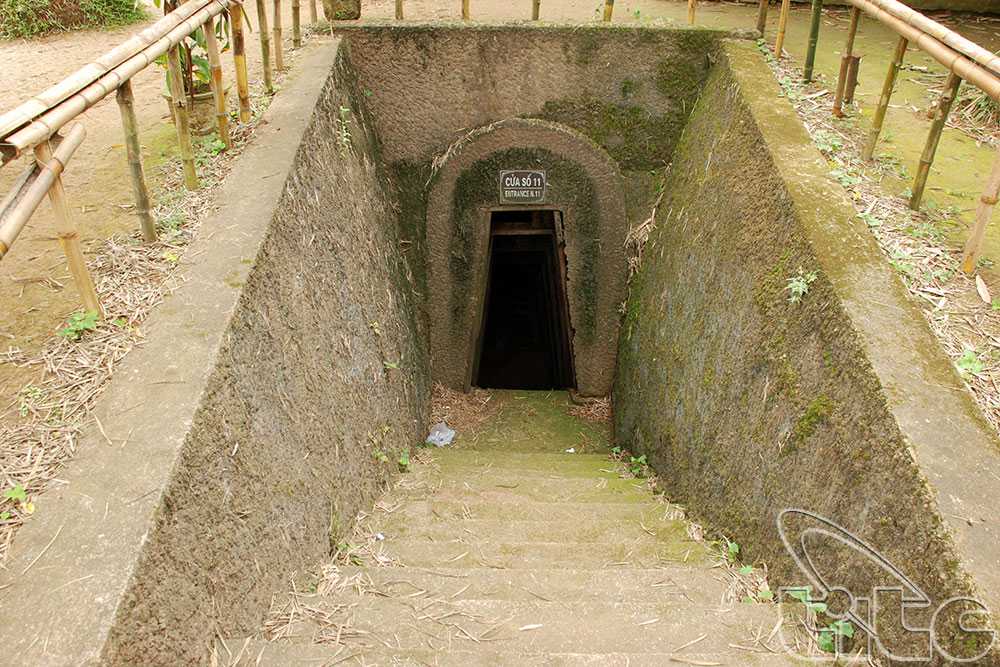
{"x": 954, "y": 61}
{"x": 845, "y": 63}
{"x": 296, "y": 23}
{"x": 779, "y": 42}
{"x": 126, "y": 105}
{"x": 948, "y": 96}
{"x": 48, "y": 122}
{"x": 93, "y": 71}
{"x": 883, "y": 103}
{"x": 313, "y": 17}
{"x": 66, "y": 230}
{"x": 974, "y": 246}
{"x": 465, "y": 10}
{"x": 218, "y": 90}
{"x": 279, "y": 49}
{"x": 32, "y": 187}
{"x": 762, "y": 17}
{"x": 691, "y": 10}
{"x": 240, "y": 60}
{"x": 852, "y": 79}
{"x": 949, "y": 38}
{"x": 179, "y": 101}
{"x": 817, "y": 17}
{"x": 536, "y": 9}
{"x": 609, "y": 8}
{"x": 399, "y": 10}
{"x": 265, "y": 46}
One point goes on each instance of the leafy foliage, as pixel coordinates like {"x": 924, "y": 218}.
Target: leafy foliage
{"x": 28, "y": 18}
{"x": 77, "y": 323}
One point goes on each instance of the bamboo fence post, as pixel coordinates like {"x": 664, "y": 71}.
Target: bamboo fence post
{"x": 609, "y": 8}
{"x": 536, "y": 9}
{"x": 779, "y": 42}
{"x": 68, "y": 234}
{"x": 852, "y": 79}
{"x": 399, "y": 10}
{"x": 883, "y": 102}
{"x": 240, "y": 60}
{"x": 465, "y": 10}
{"x": 691, "y": 10}
{"x": 974, "y": 246}
{"x": 762, "y": 17}
{"x": 845, "y": 63}
{"x": 180, "y": 103}
{"x": 296, "y": 23}
{"x": 941, "y": 112}
{"x": 817, "y": 17}
{"x": 126, "y": 105}
{"x": 313, "y": 17}
{"x": 218, "y": 90}
{"x": 265, "y": 46}
{"x": 279, "y": 53}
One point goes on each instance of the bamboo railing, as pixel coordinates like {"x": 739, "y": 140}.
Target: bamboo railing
{"x": 43, "y": 124}
{"x": 965, "y": 61}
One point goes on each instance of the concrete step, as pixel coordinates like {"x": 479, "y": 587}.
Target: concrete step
{"x": 281, "y": 654}
{"x": 501, "y": 487}
{"x": 703, "y": 587}
{"x": 585, "y": 627}
{"x": 546, "y": 555}
{"x": 594, "y": 529}
{"x": 529, "y": 510}
{"x": 525, "y": 463}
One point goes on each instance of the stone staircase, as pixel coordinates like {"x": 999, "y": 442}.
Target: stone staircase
{"x": 505, "y": 549}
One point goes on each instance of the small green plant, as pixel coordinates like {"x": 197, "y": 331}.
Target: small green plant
{"x": 380, "y": 456}
{"x": 827, "y": 638}
{"x": 390, "y": 365}
{"x": 19, "y": 496}
{"x": 845, "y": 178}
{"x": 616, "y": 451}
{"x": 78, "y": 323}
{"x": 404, "y": 461}
{"x": 637, "y": 465}
{"x": 732, "y": 551}
{"x": 873, "y": 221}
{"x": 27, "y": 397}
{"x": 969, "y": 363}
{"x": 827, "y": 141}
{"x": 343, "y": 131}
{"x": 798, "y": 285}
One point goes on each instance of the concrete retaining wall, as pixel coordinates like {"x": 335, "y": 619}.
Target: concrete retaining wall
{"x": 252, "y": 414}
{"x": 842, "y": 404}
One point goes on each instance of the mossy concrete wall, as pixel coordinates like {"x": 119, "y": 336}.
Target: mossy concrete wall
{"x": 244, "y": 432}
{"x": 843, "y": 404}
{"x": 628, "y": 90}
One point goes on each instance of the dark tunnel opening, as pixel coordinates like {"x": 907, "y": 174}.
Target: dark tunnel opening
{"x": 524, "y": 342}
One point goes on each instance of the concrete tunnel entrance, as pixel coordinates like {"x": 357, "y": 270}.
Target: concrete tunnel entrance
{"x": 524, "y": 341}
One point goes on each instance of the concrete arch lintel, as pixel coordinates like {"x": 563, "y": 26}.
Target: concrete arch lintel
{"x": 585, "y": 184}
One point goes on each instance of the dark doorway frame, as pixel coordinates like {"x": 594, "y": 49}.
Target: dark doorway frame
{"x": 545, "y": 221}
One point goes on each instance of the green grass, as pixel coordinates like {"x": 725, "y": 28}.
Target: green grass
{"x": 30, "y": 18}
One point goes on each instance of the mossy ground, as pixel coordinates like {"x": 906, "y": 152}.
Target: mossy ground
{"x": 537, "y": 421}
